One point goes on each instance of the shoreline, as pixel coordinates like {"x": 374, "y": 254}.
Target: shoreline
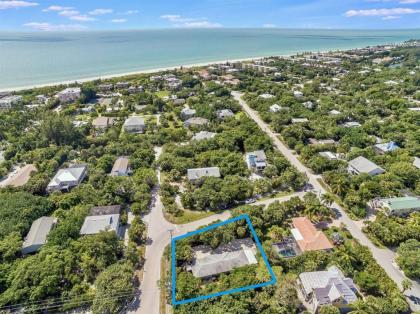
{"x": 174, "y": 67}
{"x": 148, "y": 71}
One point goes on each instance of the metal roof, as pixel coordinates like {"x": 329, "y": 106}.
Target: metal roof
{"x": 39, "y": 231}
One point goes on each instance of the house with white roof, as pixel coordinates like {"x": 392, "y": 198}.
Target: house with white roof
{"x": 416, "y": 162}
{"x": 256, "y": 160}
{"x": 329, "y": 155}
{"x": 203, "y": 135}
{"x": 352, "y": 124}
{"x": 102, "y": 218}
{"x": 198, "y": 173}
{"x": 328, "y": 287}
{"x": 266, "y": 96}
{"x": 208, "y": 263}
{"x": 134, "y": 124}
{"x": 70, "y": 94}
{"x": 383, "y": 148}
{"x": 299, "y": 120}
{"x": 121, "y": 167}
{"x": 67, "y": 178}
{"x": 297, "y": 94}
{"x": 362, "y": 165}
{"x": 224, "y": 113}
{"x": 275, "y": 108}
{"x": 37, "y": 235}
{"x": 10, "y": 101}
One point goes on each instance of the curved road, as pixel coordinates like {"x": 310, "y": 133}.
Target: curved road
{"x": 384, "y": 257}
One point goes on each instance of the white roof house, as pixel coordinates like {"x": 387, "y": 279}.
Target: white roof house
{"x": 225, "y": 258}
{"x": 275, "y": 108}
{"x": 198, "y": 173}
{"x": 383, "y": 148}
{"x": 297, "y": 94}
{"x": 67, "y": 178}
{"x": 134, "y": 124}
{"x": 121, "y": 167}
{"x": 328, "y": 287}
{"x": 416, "y": 162}
{"x": 266, "y": 96}
{"x": 10, "y": 101}
{"x": 256, "y": 160}
{"x": 352, "y": 124}
{"x": 103, "y": 218}
{"x": 37, "y": 235}
{"x": 195, "y": 122}
{"x": 329, "y": 155}
{"x": 299, "y": 120}
{"x": 69, "y": 94}
{"x": 203, "y": 135}
{"x": 362, "y": 165}
{"x": 225, "y": 113}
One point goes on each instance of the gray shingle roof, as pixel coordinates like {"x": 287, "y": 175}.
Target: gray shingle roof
{"x": 195, "y": 174}
{"x": 134, "y": 121}
{"x": 363, "y": 165}
{"x": 105, "y": 210}
{"x": 38, "y": 233}
{"x": 95, "y": 224}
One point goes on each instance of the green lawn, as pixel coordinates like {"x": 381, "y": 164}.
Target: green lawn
{"x": 162, "y": 93}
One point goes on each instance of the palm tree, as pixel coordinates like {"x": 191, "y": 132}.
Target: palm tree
{"x": 327, "y": 199}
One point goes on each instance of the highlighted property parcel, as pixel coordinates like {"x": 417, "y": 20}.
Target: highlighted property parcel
{"x": 237, "y": 253}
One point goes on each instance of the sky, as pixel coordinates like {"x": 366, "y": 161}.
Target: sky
{"x": 74, "y": 15}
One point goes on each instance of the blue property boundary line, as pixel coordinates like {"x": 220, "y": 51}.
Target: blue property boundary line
{"x": 212, "y": 295}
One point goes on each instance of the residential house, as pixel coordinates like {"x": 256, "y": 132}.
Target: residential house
{"x": 135, "y": 89}
{"x": 397, "y": 206}
{"x": 307, "y": 237}
{"x": 256, "y": 160}
{"x": 102, "y": 218}
{"x": 208, "y": 263}
{"x": 329, "y": 155}
{"x": 67, "y": 178}
{"x": 187, "y": 113}
{"x": 314, "y": 141}
{"x": 416, "y": 162}
{"x": 106, "y": 87}
{"x": 328, "y": 287}
{"x": 203, "y": 135}
{"x": 266, "y": 96}
{"x": 70, "y": 94}
{"x": 334, "y": 112}
{"x": 352, "y": 124}
{"x": 299, "y": 120}
{"x": 9, "y": 101}
{"x": 224, "y": 113}
{"x": 308, "y": 105}
{"x": 362, "y": 165}
{"x": 134, "y": 124}
{"x": 102, "y": 123}
{"x": 37, "y": 235}
{"x": 383, "y": 148}
{"x": 198, "y": 173}
{"x": 179, "y": 101}
{"x": 297, "y": 94}
{"x": 121, "y": 167}
{"x": 275, "y": 108}
{"x": 122, "y": 85}
{"x": 195, "y": 122}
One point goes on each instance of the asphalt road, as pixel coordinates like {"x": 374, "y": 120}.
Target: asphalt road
{"x": 384, "y": 257}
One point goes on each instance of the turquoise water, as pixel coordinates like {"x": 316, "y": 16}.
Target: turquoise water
{"x": 28, "y": 59}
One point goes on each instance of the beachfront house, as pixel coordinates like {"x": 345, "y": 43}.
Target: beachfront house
{"x": 196, "y": 174}
{"x": 383, "y": 148}
{"x": 106, "y": 87}
{"x": 396, "y": 206}
{"x": 69, "y": 95}
{"x": 122, "y": 85}
{"x": 102, "y": 218}
{"x": 328, "y": 287}
{"x": 10, "y": 101}
{"x": 67, "y": 178}
{"x": 362, "y": 165}
{"x": 203, "y": 135}
{"x": 134, "y": 125}
{"x": 196, "y": 122}
{"x": 256, "y": 160}
{"x": 121, "y": 167}
{"x": 37, "y": 235}
{"x": 208, "y": 263}
{"x": 187, "y": 113}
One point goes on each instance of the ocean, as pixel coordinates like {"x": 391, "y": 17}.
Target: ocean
{"x": 39, "y": 58}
